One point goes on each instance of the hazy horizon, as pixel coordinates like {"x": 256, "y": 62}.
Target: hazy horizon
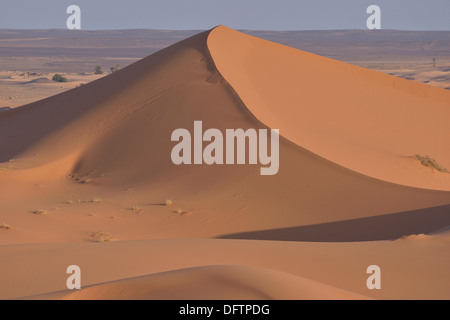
{"x": 283, "y": 15}
{"x": 238, "y": 29}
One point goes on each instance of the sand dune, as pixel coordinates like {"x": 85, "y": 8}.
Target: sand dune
{"x": 364, "y": 120}
{"x": 411, "y": 268}
{"x": 209, "y": 283}
{"x": 96, "y": 160}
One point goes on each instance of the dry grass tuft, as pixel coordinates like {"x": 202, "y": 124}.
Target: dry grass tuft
{"x": 40, "y": 211}
{"x": 101, "y": 237}
{"x": 182, "y": 212}
{"x": 136, "y": 209}
{"x": 5, "y": 226}
{"x": 429, "y": 162}
{"x": 84, "y": 180}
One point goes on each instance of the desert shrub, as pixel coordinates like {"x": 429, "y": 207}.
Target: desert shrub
{"x": 115, "y": 68}
{"x": 59, "y": 78}
{"x": 98, "y": 70}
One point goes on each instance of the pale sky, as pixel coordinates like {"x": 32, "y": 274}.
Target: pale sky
{"x": 238, "y": 14}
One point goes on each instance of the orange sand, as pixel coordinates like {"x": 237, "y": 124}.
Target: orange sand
{"x": 97, "y": 159}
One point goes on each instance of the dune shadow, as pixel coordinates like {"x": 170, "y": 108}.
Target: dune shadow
{"x": 4, "y": 109}
{"x": 384, "y": 227}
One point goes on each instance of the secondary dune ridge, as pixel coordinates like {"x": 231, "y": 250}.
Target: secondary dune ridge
{"x": 97, "y": 158}
{"x": 210, "y": 282}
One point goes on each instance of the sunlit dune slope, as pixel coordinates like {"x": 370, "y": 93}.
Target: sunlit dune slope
{"x": 364, "y": 120}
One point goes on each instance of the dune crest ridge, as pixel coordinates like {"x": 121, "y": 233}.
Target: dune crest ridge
{"x": 210, "y": 282}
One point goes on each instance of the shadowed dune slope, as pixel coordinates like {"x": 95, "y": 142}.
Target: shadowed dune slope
{"x": 364, "y": 120}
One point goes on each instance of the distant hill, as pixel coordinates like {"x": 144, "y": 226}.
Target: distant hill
{"x": 126, "y": 46}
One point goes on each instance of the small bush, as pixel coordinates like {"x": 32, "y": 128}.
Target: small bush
{"x": 168, "y": 202}
{"x": 115, "y": 68}
{"x": 98, "y": 70}
{"x": 59, "y": 78}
